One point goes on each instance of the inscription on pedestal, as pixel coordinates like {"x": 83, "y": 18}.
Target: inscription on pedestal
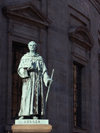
{"x": 30, "y": 121}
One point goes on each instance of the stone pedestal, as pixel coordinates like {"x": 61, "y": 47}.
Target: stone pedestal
{"x": 33, "y": 128}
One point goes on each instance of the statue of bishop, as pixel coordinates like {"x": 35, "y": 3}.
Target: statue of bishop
{"x": 33, "y": 72}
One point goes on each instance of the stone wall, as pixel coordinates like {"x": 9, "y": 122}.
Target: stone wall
{"x": 57, "y": 49}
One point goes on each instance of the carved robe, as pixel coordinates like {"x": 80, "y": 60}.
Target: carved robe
{"x": 32, "y": 100}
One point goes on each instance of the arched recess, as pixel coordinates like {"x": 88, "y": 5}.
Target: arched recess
{"x": 82, "y": 36}
{"x": 82, "y": 42}
{"x": 25, "y": 23}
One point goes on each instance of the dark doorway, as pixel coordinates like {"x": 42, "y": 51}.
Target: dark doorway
{"x": 77, "y": 91}
{"x": 18, "y": 50}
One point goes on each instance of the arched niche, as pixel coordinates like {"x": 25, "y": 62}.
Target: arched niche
{"x": 82, "y": 42}
{"x": 25, "y": 22}
{"x": 81, "y": 36}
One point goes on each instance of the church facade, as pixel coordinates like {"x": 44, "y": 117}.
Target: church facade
{"x": 68, "y": 37}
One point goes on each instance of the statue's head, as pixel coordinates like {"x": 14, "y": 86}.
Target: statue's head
{"x": 32, "y": 46}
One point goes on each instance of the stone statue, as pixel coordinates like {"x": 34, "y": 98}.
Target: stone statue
{"x": 33, "y": 72}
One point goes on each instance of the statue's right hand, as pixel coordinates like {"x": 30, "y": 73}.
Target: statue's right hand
{"x": 29, "y": 66}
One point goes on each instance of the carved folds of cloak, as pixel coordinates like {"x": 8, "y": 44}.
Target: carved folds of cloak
{"x": 32, "y": 99}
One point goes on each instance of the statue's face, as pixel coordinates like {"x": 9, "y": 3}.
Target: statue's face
{"x": 32, "y": 46}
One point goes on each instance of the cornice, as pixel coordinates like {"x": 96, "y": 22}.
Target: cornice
{"x": 96, "y": 4}
{"x": 26, "y": 13}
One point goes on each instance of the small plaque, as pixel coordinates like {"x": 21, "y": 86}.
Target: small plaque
{"x": 31, "y": 121}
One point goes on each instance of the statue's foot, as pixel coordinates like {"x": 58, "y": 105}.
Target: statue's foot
{"x": 34, "y": 117}
{"x": 21, "y": 117}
